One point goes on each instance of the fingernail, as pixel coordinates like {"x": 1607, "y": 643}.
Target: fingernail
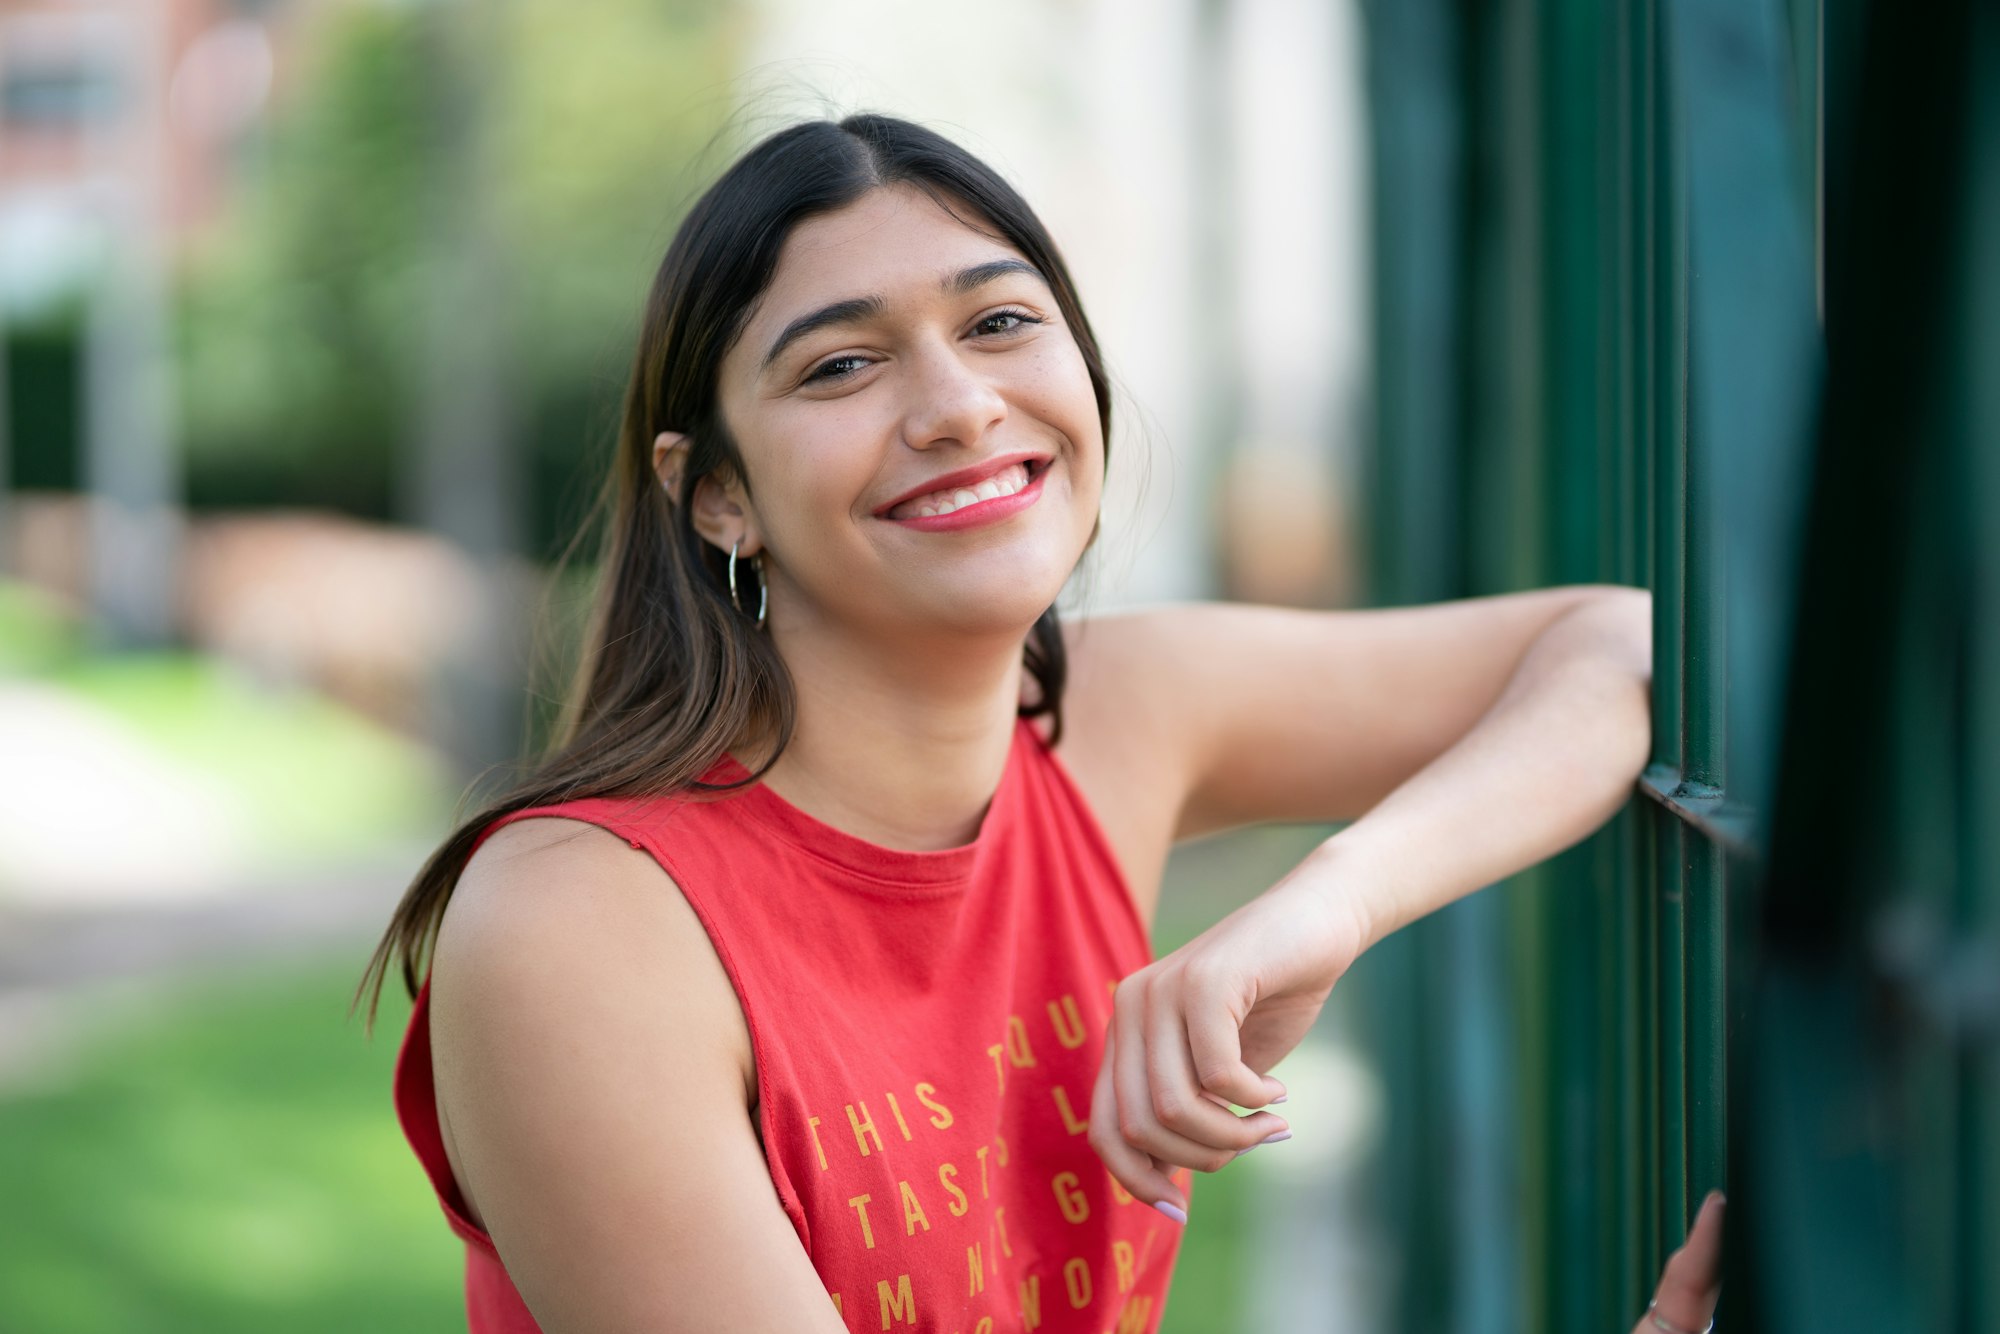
{"x": 1173, "y": 1211}
{"x": 1281, "y": 1097}
{"x": 1272, "y": 1138}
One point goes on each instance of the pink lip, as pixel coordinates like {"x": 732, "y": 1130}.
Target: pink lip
{"x": 966, "y": 477}
{"x": 979, "y": 513}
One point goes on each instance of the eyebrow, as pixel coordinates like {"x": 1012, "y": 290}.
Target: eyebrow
{"x": 858, "y": 308}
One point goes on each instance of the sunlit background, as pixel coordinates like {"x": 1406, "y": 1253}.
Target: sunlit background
{"x": 316, "y": 314}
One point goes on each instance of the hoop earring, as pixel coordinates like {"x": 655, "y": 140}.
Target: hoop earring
{"x": 763, "y": 589}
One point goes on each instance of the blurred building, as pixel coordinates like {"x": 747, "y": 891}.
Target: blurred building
{"x": 117, "y": 125}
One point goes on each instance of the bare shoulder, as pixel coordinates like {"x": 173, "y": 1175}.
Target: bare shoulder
{"x": 1128, "y": 686}
{"x": 548, "y": 901}
{"x": 596, "y": 1087}
{"x": 1120, "y": 738}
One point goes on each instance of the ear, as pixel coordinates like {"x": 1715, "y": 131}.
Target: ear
{"x": 670, "y": 450}
{"x": 720, "y": 509}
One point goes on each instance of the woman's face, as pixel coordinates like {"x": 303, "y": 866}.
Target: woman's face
{"x": 918, "y": 426}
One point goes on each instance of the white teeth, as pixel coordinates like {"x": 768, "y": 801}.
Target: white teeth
{"x": 1004, "y": 483}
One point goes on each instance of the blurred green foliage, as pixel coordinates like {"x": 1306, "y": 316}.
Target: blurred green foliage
{"x": 42, "y": 408}
{"x": 305, "y": 321}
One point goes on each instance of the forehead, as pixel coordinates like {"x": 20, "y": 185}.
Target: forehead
{"x": 895, "y": 242}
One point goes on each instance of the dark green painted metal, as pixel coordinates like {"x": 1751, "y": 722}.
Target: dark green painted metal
{"x": 1707, "y": 1045}
{"x": 1979, "y": 853}
{"x": 1667, "y": 270}
{"x": 1704, "y": 671}
{"x": 1412, "y": 538}
{"x": 1876, "y": 1006}
{"x": 1562, "y": 302}
{"x": 1580, "y": 1257}
{"x": 1718, "y": 819}
{"x": 1415, "y": 553}
{"x": 1628, "y": 54}
{"x": 1670, "y": 1011}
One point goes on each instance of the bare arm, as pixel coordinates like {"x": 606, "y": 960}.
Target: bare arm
{"x": 1186, "y": 720}
{"x": 1553, "y": 759}
{"x": 591, "y": 1061}
{"x": 1319, "y": 715}
{"x": 1516, "y": 779}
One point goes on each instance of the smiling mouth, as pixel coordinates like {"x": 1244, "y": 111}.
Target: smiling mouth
{"x": 1010, "y": 480}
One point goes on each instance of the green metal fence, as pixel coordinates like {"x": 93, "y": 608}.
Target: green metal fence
{"x": 1618, "y": 339}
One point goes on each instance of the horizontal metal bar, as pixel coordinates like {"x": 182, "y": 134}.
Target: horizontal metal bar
{"x": 1706, "y": 809}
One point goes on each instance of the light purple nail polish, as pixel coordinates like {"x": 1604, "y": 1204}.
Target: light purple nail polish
{"x": 1173, "y": 1211}
{"x": 1275, "y": 1137}
{"x": 1241, "y": 1152}
{"x": 1281, "y": 1097}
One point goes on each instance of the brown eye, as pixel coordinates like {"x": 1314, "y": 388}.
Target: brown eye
{"x": 823, "y": 372}
{"x": 1021, "y": 315}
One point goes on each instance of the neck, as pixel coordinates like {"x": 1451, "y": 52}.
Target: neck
{"x": 903, "y": 748}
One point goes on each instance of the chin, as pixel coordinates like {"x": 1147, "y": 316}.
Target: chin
{"x": 999, "y": 588}
{"x": 1001, "y": 598}
{"x": 983, "y": 612}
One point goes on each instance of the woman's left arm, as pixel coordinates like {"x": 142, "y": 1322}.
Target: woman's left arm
{"x": 1552, "y": 761}
{"x": 1548, "y": 759}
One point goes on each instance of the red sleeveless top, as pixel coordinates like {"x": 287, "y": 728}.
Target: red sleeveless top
{"x": 927, "y": 1029}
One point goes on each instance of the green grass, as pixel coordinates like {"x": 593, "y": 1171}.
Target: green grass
{"x": 35, "y": 632}
{"x": 223, "y": 1158}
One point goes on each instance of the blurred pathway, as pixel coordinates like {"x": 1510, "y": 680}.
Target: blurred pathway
{"x": 59, "y": 962}
{"x": 120, "y": 868}
{"x": 62, "y": 970}
{"x": 91, "y": 814}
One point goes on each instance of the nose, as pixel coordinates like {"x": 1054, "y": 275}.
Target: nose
{"x": 950, "y": 401}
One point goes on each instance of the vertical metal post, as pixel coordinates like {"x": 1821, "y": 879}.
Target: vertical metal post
{"x": 464, "y": 472}
{"x": 1979, "y": 851}
{"x": 131, "y": 471}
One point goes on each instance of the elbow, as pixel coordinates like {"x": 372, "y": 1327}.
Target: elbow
{"x": 1621, "y": 621}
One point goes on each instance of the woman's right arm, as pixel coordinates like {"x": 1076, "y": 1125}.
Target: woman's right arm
{"x": 594, "y": 1078}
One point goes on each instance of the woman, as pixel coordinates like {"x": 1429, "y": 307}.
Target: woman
{"x": 805, "y": 986}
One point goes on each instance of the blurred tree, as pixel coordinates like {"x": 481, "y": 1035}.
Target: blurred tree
{"x": 303, "y": 320}
{"x": 299, "y": 328}
{"x": 41, "y": 404}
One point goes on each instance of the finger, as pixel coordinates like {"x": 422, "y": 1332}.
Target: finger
{"x": 1139, "y": 1174}
{"x": 1194, "y": 1131}
{"x": 1215, "y": 1041}
{"x": 1132, "y": 1081}
{"x": 1692, "y": 1282}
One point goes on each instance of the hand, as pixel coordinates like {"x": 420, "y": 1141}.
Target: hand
{"x": 1692, "y": 1281}
{"x": 1195, "y": 1031}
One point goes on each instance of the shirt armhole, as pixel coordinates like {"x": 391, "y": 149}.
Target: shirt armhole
{"x": 415, "y": 1086}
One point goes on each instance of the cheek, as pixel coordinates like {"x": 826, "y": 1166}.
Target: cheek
{"x": 819, "y": 481}
{"x": 1060, "y": 393}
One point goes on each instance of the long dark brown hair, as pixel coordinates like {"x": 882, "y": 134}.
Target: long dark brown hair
{"x": 671, "y": 676}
